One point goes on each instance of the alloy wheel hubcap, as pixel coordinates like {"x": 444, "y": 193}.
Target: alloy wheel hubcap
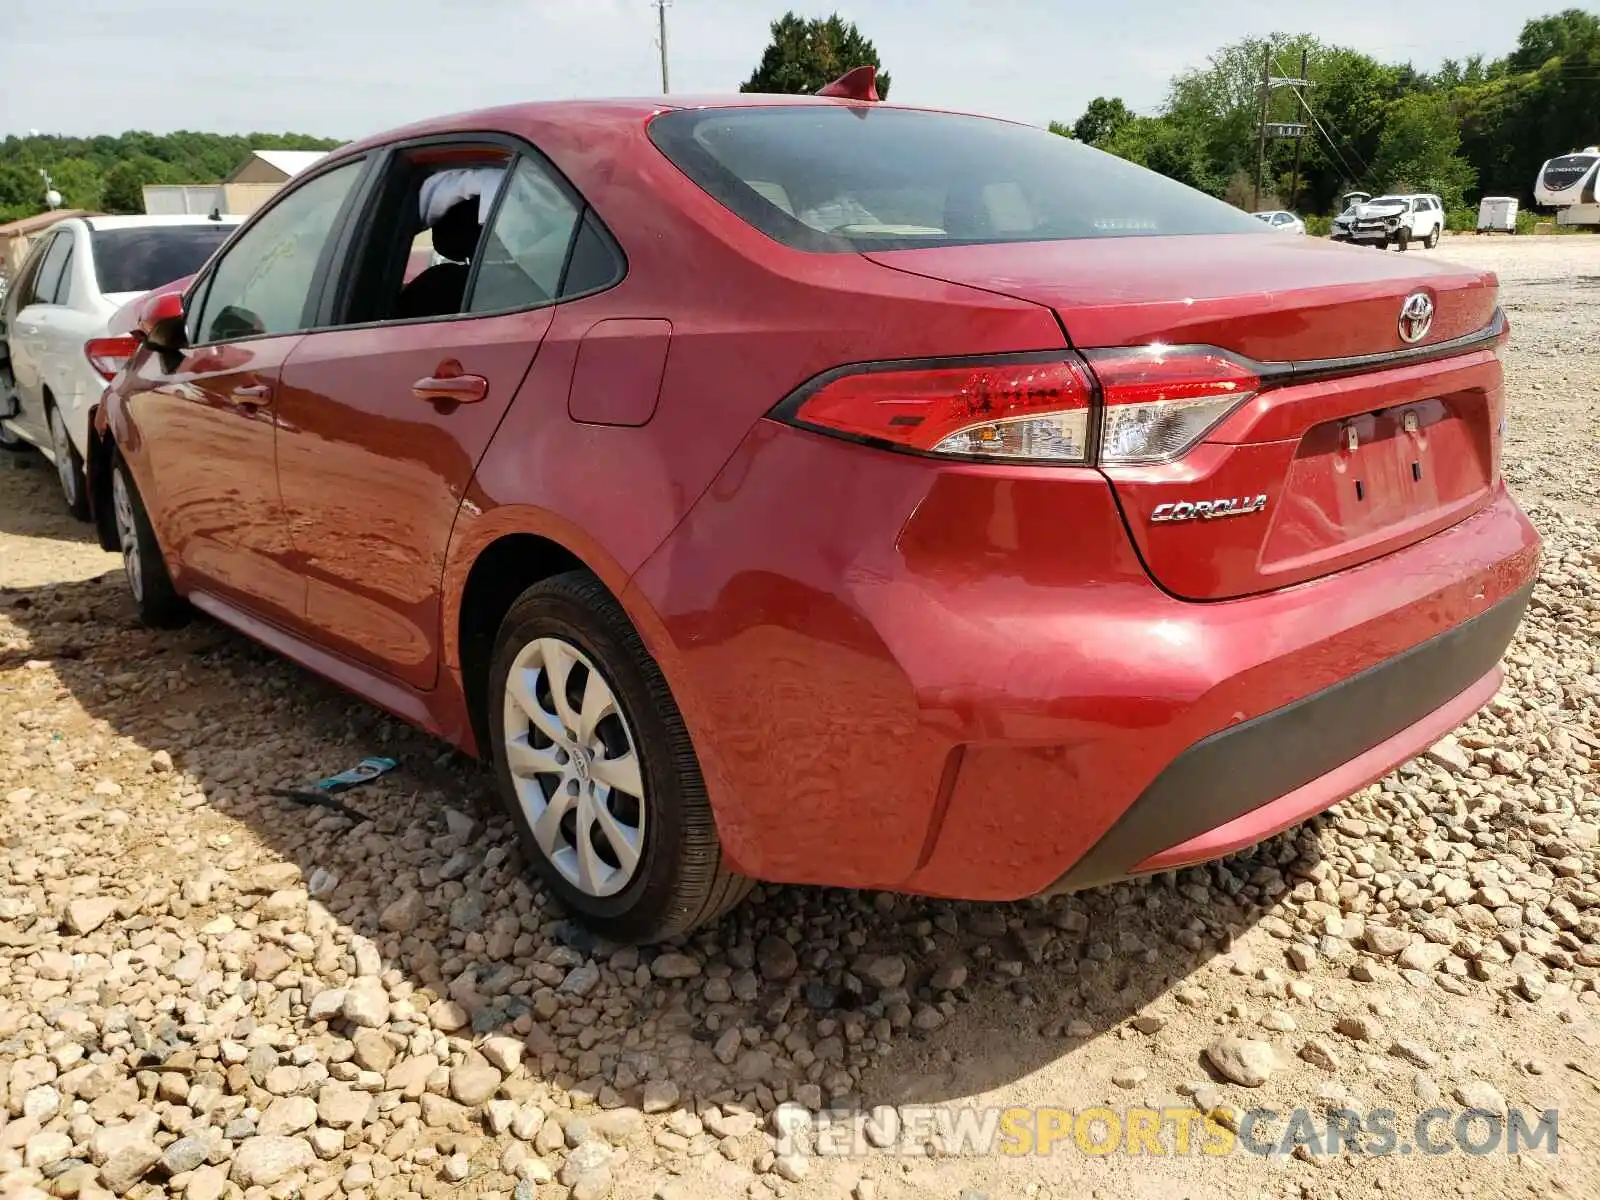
{"x": 575, "y": 766}
{"x": 127, "y": 533}
{"x": 62, "y": 445}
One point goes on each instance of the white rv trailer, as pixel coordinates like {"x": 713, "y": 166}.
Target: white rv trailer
{"x": 1569, "y": 185}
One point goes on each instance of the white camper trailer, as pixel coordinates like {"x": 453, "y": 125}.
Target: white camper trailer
{"x": 1497, "y": 214}
{"x": 1568, "y": 184}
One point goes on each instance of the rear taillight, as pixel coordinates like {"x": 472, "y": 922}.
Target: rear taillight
{"x": 1034, "y": 408}
{"x": 108, "y": 355}
{"x": 1150, "y": 404}
{"x": 1158, "y": 402}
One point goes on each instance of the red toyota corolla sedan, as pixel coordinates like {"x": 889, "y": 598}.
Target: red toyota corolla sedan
{"x": 814, "y": 490}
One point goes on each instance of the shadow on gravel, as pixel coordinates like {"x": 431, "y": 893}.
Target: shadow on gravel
{"x": 990, "y": 993}
{"x": 45, "y": 514}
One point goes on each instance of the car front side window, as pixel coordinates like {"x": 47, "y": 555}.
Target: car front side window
{"x": 20, "y": 294}
{"x": 262, "y": 286}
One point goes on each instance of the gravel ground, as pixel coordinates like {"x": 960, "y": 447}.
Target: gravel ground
{"x": 209, "y": 992}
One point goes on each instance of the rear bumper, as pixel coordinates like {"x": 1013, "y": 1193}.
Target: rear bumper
{"x": 1252, "y": 780}
{"x": 961, "y": 681}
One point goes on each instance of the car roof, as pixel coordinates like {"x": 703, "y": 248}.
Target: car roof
{"x": 143, "y": 220}
{"x": 622, "y": 110}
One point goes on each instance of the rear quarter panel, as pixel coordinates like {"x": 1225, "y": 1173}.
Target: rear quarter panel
{"x": 751, "y": 321}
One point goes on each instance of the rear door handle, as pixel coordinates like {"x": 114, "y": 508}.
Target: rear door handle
{"x": 453, "y": 389}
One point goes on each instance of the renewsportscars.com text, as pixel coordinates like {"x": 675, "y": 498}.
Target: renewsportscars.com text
{"x": 1165, "y": 1132}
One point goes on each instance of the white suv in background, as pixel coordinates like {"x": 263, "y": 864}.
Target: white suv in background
{"x": 81, "y": 271}
{"x": 1392, "y": 221}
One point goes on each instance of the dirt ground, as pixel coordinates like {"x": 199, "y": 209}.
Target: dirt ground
{"x": 206, "y": 991}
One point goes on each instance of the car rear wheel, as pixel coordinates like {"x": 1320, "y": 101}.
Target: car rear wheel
{"x": 596, "y": 768}
{"x": 1432, "y": 239}
{"x": 145, "y": 569}
{"x": 69, "y": 466}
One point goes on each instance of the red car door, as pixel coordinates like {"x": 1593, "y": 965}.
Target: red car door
{"x": 382, "y": 424}
{"x": 204, "y": 420}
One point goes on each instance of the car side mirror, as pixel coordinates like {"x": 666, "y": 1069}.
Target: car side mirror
{"x": 161, "y": 322}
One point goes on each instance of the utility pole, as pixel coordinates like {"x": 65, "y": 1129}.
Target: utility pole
{"x": 1261, "y": 125}
{"x": 661, "y": 14}
{"x": 1294, "y": 186}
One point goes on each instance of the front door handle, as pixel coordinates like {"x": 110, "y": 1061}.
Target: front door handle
{"x": 251, "y": 395}
{"x": 449, "y": 385}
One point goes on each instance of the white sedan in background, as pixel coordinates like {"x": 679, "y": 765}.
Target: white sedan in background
{"x": 1284, "y": 222}
{"x": 54, "y": 358}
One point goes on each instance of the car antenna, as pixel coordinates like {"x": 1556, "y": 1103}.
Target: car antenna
{"x": 858, "y": 84}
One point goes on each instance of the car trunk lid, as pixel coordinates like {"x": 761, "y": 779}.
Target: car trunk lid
{"x": 1358, "y": 440}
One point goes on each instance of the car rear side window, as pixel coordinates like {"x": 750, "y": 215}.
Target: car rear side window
{"x": 526, "y": 247}
{"x": 64, "y": 285}
{"x": 140, "y": 257}
{"x": 48, "y": 278}
{"x": 595, "y": 262}
{"x": 262, "y": 285}
{"x": 851, "y": 178}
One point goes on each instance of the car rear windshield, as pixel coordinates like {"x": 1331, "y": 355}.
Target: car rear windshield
{"x": 841, "y": 178}
{"x": 140, "y": 257}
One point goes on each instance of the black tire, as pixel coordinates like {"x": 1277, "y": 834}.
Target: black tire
{"x": 680, "y": 881}
{"x": 8, "y": 440}
{"x": 69, "y": 473}
{"x": 1432, "y": 239}
{"x": 1402, "y": 239}
{"x": 157, "y": 601}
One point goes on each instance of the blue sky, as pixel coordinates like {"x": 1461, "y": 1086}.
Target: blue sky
{"x": 350, "y": 67}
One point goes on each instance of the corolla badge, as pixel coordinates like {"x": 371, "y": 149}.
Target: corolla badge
{"x": 1416, "y": 317}
{"x": 1208, "y": 510}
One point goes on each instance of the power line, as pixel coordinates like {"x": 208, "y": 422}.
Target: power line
{"x": 1332, "y": 144}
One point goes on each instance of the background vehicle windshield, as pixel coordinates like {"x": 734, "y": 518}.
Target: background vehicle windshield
{"x": 138, "y": 258}
{"x": 847, "y": 178}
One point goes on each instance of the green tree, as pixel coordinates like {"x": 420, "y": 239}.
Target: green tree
{"x": 1568, "y": 32}
{"x": 124, "y": 190}
{"x": 1474, "y": 123}
{"x": 1164, "y": 145}
{"x": 79, "y": 181}
{"x": 1419, "y": 149}
{"x": 1101, "y": 120}
{"x": 110, "y": 171}
{"x": 807, "y": 55}
{"x": 1349, "y": 105}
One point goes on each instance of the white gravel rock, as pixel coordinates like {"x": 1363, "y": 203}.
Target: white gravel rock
{"x": 1245, "y": 1061}
{"x": 263, "y": 1161}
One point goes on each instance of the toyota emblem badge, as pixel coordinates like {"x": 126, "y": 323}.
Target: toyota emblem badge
{"x": 1416, "y": 317}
